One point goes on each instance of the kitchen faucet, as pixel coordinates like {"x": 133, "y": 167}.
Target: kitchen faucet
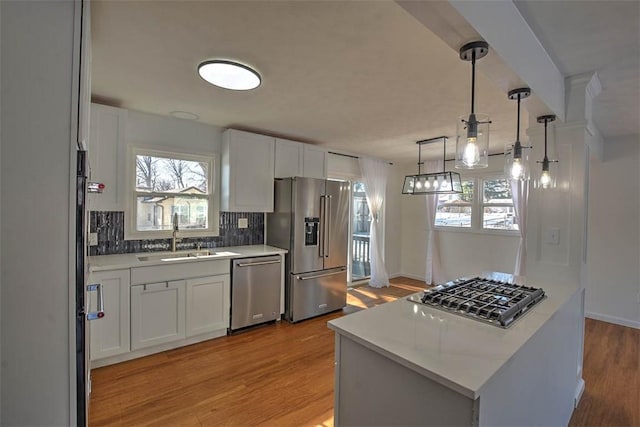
{"x": 175, "y": 233}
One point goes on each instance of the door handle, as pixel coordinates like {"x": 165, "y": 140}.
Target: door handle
{"x": 317, "y": 276}
{"x": 327, "y": 226}
{"x": 250, "y": 264}
{"x": 322, "y": 226}
{"x": 99, "y": 314}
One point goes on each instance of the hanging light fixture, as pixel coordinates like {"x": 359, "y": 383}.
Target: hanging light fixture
{"x": 472, "y": 142}
{"x": 444, "y": 182}
{"x": 516, "y": 155}
{"x": 548, "y": 174}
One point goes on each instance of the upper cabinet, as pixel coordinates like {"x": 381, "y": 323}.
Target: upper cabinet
{"x": 314, "y": 164}
{"x": 107, "y": 149}
{"x": 289, "y": 158}
{"x": 298, "y": 159}
{"x": 247, "y": 172}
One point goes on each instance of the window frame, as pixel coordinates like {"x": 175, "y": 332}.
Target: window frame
{"x": 131, "y": 233}
{"x": 477, "y": 208}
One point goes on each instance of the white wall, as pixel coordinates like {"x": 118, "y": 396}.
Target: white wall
{"x": 460, "y": 253}
{"x": 393, "y": 223}
{"x": 613, "y": 260}
{"x": 37, "y": 75}
{"x": 160, "y": 132}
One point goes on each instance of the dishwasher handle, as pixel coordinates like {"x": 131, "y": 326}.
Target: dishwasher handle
{"x": 251, "y": 264}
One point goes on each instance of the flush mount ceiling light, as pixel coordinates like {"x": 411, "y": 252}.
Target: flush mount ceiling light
{"x": 516, "y": 155}
{"x": 229, "y": 75}
{"x": 548, "y": 174}
{"x": 432, "y": 183}
{"x": 472, "y": 142}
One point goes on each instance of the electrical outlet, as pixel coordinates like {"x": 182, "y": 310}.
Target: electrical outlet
{"x": 552, "y": 236}
{"x": 243, "y": 223}
{"x": 93, "y": 239}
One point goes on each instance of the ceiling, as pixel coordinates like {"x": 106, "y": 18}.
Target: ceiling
{"x": 359, "y": 76}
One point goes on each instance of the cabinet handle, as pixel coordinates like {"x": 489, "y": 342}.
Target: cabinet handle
{"x": 99, "y": 314}
{"x": 250, "y": 264}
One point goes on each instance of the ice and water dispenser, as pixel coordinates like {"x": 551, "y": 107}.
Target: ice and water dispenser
{"x": 311, "y": 229}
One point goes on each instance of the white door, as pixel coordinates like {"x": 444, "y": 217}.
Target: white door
{"x": 207, "y": 304}
{"x": 157, "y": 313}
{"x": 110, "y": 334}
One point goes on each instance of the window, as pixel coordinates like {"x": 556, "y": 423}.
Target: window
{"x": 169, "y": 185}
{"x": 497, "y": 205}
{"x": 490, "y": 208}
{"x": 454, "y": 210}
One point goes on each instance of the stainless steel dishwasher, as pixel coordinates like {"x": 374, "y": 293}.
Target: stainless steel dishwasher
{"x": 255, "y": 291}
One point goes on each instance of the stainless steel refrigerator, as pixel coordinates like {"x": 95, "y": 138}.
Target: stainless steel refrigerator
{"x": 311, "y": 220}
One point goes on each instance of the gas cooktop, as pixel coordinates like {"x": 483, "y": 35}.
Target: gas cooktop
{"x": 487, "y": 300}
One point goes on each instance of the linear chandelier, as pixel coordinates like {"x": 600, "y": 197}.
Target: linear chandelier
{"x": 444, "y": 182}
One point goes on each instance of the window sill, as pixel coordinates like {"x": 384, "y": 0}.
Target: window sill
{"x": 503, "y": 233}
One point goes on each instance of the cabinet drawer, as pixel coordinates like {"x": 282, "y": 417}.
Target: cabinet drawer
{"x": 178, "y": 271}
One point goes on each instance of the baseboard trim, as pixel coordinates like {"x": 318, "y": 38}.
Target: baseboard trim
{"x": 613, "y": 319}
{"x": 578, "y": 393}
{"x": 410, "y": 276}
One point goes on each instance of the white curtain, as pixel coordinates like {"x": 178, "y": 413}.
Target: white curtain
{"x": 374, "y": 176}
{"x": 431, "y": 261}
{"x": 520, "y": 195}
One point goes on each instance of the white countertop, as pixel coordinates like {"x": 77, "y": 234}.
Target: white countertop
{"x": 460, "y": 353}
{"x": 112, "y": 262}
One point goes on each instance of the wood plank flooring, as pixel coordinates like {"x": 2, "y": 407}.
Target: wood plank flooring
{"x": 612, "y": 376}
{"x": 282, "y": 375}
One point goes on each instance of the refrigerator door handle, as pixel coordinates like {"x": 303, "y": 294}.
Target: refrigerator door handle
{"x": 317, "y": 276}
{"x": 99, "y": 314}
{"x": 327, "y": 226}
{"x": 323, "y": 227}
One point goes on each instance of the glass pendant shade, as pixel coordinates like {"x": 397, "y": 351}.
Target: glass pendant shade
{"x": 472, "y": 142}
{"x": 546, "y": 178}
{"x": 516, "y": 165}
{"x": 547, "y": 170}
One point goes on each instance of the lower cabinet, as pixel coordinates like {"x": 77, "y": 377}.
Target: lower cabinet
{"x": 110, "y": 334}
{"x": 207, "y": 304}
{"x": 157, "y": 313}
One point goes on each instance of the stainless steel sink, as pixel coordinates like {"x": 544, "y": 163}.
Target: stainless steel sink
{"x": 177, "y": 256}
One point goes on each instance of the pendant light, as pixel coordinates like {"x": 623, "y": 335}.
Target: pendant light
{"x": 444, "y": 182}
{"x": 547, "y": 175}
{"x": 472, "y": 142}
{"x": 517, "y": 155}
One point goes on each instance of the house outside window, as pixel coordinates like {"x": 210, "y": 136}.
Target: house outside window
{"x": 172, "y": 183}
{"x": 485, "y": 206}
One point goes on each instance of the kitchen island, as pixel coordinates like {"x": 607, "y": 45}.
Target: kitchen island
{"x": 403, "y": 363}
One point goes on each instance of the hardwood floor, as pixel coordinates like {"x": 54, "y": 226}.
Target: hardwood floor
{"x": 282, "y": 375}
{"x": 612, "y": 375}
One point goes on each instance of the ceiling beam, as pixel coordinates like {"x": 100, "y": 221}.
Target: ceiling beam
{"x": 503, "y": 27}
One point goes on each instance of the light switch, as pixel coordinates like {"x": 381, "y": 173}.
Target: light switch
{"x": 243, "y": 222}
{"x": 552, "y": 236}
{"x": 93, "y": 239}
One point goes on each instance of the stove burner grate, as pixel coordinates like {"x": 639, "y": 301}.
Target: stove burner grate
{"x": 492, "y": 301}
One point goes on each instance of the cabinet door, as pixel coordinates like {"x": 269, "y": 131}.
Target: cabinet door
{"x": 288, "y": 158}
{"x": 314, "y": 162}
{"x": 247, "y": 172}
{"x": 207, "y": 304}
{"x": 110, "y": 334}
{"x": 106, "y": 156}
{"x": 157, "y": 313}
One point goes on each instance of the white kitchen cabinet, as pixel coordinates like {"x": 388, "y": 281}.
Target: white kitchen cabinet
{"x": 157, "y": 313}
{"x": 107, "y": 151}
{"x": 298, "y": 159}
{"x": 247, "y": 172}
{"x": 110, "y": 334}
{"x": 288, "y": 158}
{"x": 208, "y": 300}
{"x": 314, "y": 163}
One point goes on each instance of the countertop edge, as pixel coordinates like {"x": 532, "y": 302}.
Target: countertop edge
{"x": 130, "y": 260}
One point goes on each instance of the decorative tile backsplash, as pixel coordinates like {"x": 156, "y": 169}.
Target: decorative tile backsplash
{"x": 110, "y": 228}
